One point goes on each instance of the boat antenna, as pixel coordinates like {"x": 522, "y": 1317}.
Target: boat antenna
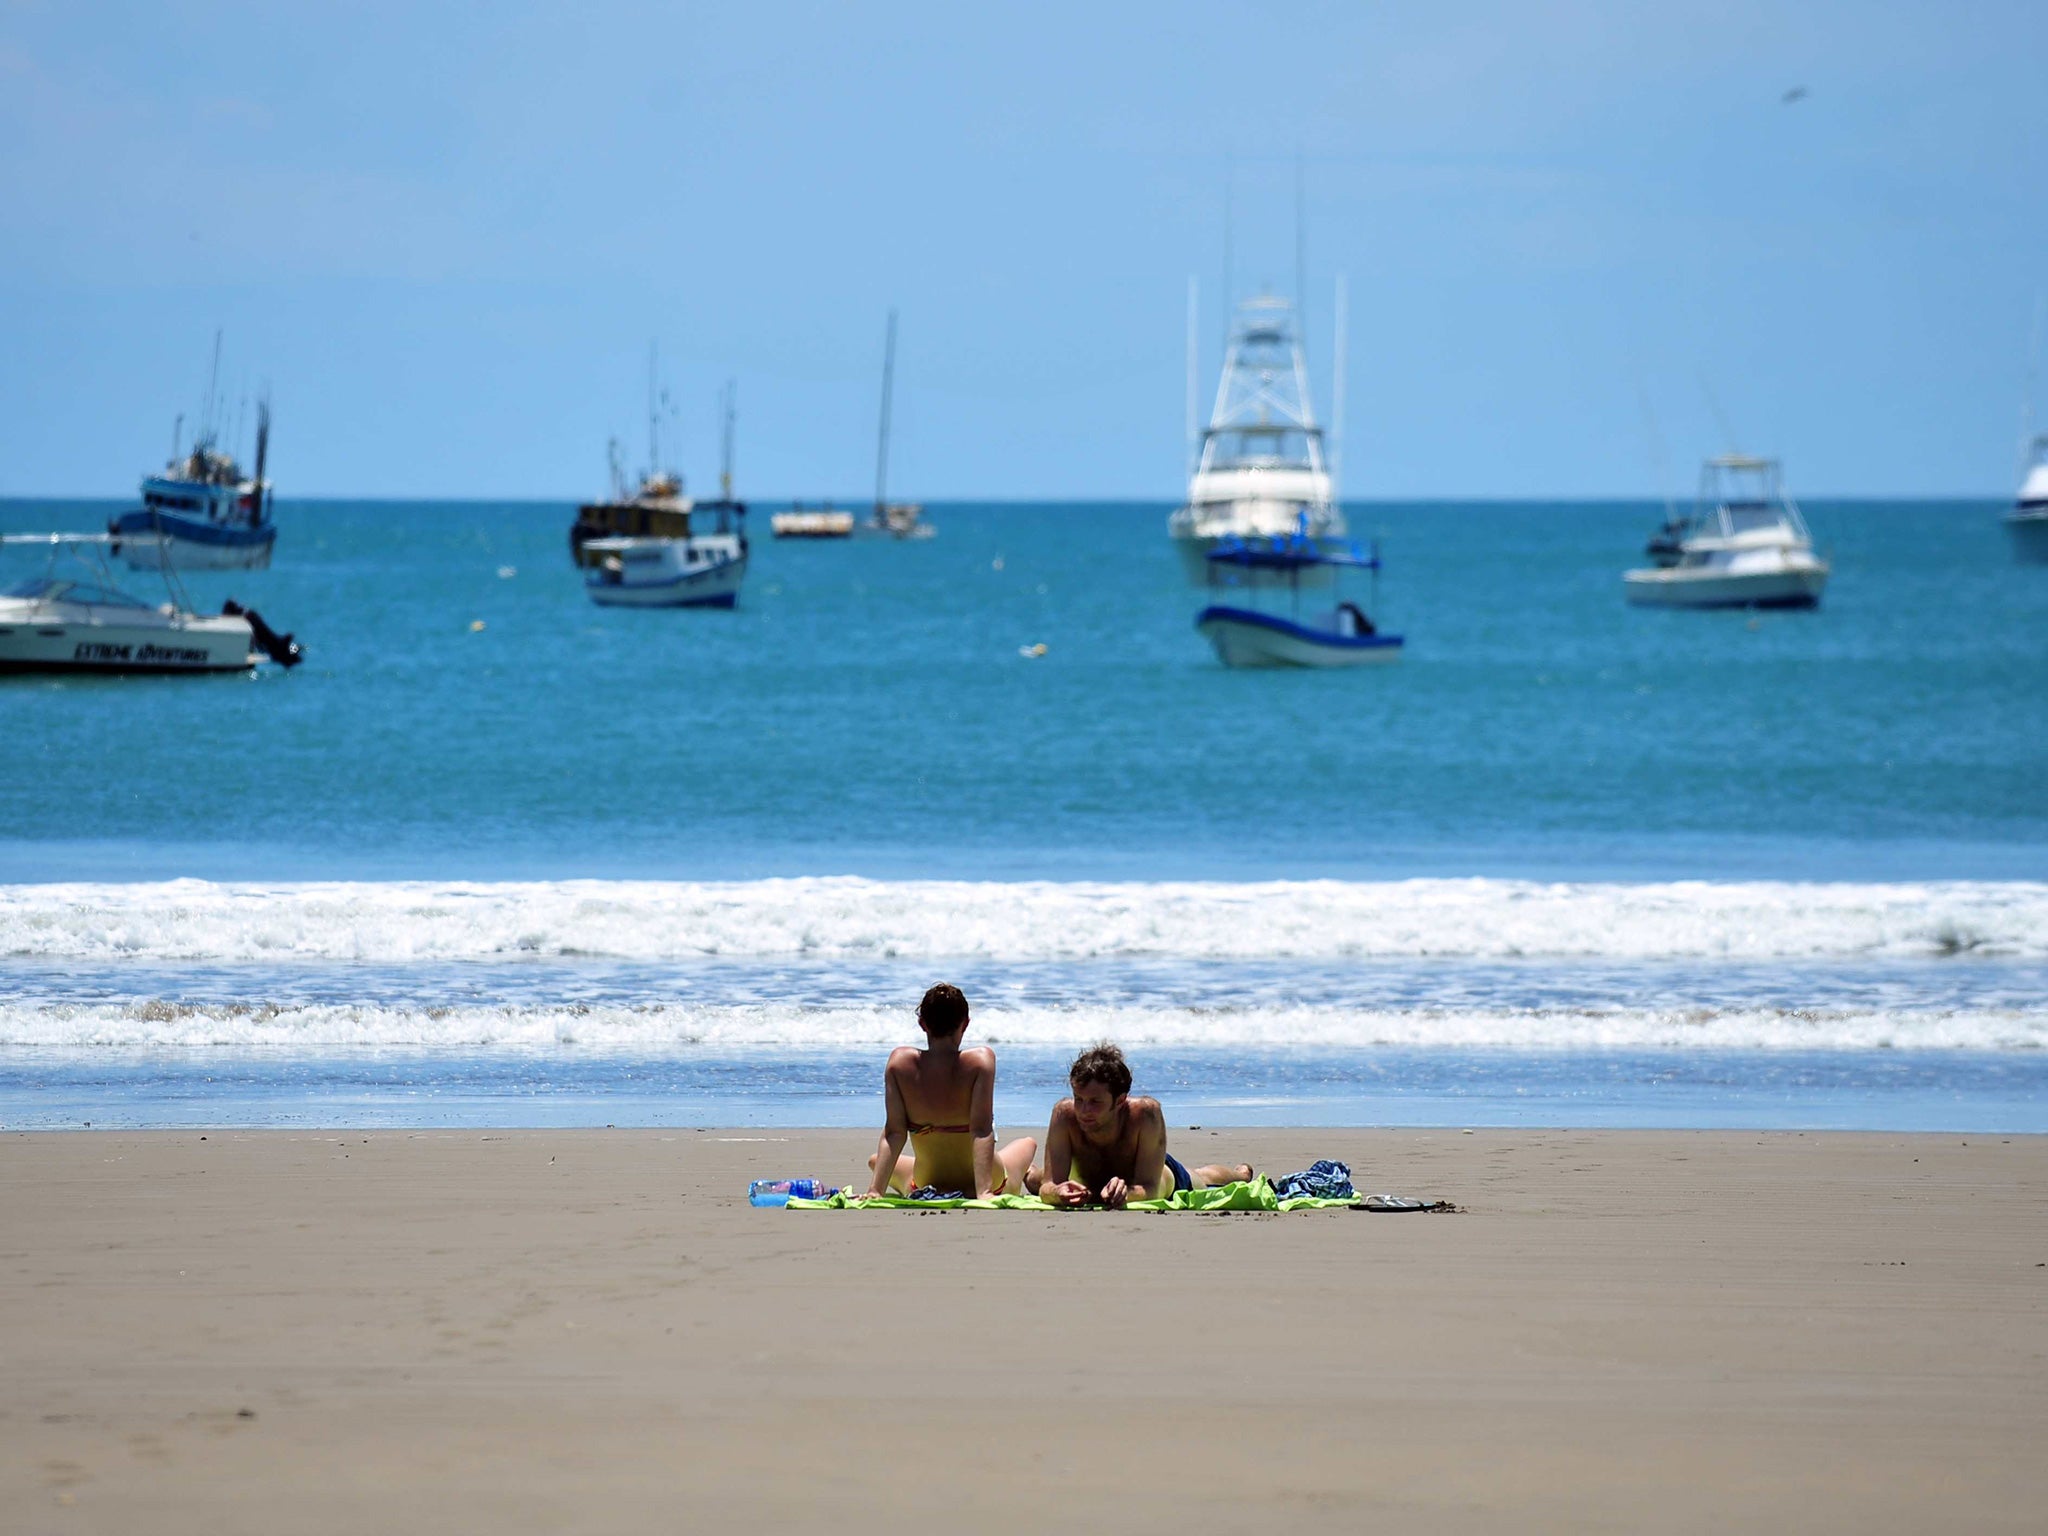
{"x": 2027, "y": 398}
{"x": 653, "y": 418}
{"x": 1338, "y": 322}
{"x": 882, "y": 438}
{"x": 212, "y": 386}
{"x": 1193, "y": 342}
{"x": 1229, "y": 197}
{"x": 177, "y": 435}
{"x": 1720, "y": 416}
{"x": 1659, "y": 465}
{"x": 1300, "y": 250}
{"x": 262, "y": 453}
{"x": 732, "y": 388}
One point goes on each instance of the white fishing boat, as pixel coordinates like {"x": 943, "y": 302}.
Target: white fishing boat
{"x": 68, "y": 620}
{"x": 2027, "y": 522}
{"x": 1246, "y": 629}
{"x": 1746, "y": 546}
{"x": 1260, "y": 469}
{"x": 703, "y": 568}
{"x": 201, "y": 513}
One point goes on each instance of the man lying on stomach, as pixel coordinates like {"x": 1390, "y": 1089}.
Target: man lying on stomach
{"x": 1105, "y": 1147}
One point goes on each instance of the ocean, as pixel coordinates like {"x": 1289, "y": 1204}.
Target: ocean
{"x": 496, "y": 856}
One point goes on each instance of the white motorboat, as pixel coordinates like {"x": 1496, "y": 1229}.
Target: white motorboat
{"x": 202, "y": 513}
{"x": 66, "y": 622}
{"x": 1260, "y": 472}
{"x": 1246, "y": 573}
{"x": 701, "y": 569}
{"x": 2027, "y": 522}
{"x": 1746, "y": 546}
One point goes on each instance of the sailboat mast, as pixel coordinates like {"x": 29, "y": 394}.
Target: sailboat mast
{"x": 725, "y": 454}
{"x": 1193, "y": 342}
{"x": 1338, "y": 339}
{"x": 212, "y": 387}
{"x": 882, "y": 443}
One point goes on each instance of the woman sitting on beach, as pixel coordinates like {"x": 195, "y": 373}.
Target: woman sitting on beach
{"x": 942, "y": 1101}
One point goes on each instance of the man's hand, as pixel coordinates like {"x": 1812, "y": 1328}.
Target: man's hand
{"x": 1116, "y": 1194}
{"x": 1070, "y": 1194}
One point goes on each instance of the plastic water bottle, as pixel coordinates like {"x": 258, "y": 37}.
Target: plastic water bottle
{"x": 782, "y": 1191}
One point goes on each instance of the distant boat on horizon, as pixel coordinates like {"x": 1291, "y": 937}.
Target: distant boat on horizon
{"x": 201, "y": 513}
{"x": 1746, "y": 546}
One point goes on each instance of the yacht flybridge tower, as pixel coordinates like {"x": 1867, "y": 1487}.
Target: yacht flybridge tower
{"x": 1262, "y": 469}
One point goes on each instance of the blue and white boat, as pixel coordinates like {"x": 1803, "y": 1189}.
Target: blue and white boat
{"x": 700, "y": 568}
{"x": 1260, "y": 575}
{"x": 201, "y": 513}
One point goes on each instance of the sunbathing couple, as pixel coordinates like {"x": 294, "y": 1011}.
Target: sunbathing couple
{"x": 1103, "y": 1147}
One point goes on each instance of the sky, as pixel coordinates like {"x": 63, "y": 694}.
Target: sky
{"x": 1585, "y": 245}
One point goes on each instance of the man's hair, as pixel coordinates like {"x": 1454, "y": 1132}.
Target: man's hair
{"x": 1103, "y": 1064}
{"x": 943, "y": 1010}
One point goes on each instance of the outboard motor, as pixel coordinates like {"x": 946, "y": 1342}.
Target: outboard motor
{"x": 282, "y": 649}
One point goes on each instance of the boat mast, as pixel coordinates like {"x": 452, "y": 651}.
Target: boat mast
{"x": 1339, "y": 319}
{"x": 262, "y": 452}
{"x": 212, "y": 386}
{"x": 1189, "y": 465}
{"x": 725, "y": 455}
{"x": 882, "y": 444}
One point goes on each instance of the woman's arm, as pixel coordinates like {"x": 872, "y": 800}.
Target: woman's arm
{"x": 981, "y": 1119}
{"x": 895, "y": 1131}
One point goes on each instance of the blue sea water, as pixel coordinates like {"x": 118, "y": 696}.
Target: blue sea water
{"x": 497, "y": 855}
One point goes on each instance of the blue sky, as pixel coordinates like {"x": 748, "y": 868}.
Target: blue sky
{"x": 444, "y": 236}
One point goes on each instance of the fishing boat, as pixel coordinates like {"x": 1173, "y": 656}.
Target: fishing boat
{"x": 1249, "y": 575}
{"x": 1260, "y": 470}
{"x": 77, "y": 620}
{"x": 700, "y": 568}
{"x": 201, "y": 513}
{"x": 658, "y": 508}
{"x": 1746, "y": 546}
{"x": 2027, "y": 522}
{"x": 891, "y": 519}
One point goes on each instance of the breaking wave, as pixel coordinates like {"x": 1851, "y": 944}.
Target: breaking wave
{"x": 825, "y": 918}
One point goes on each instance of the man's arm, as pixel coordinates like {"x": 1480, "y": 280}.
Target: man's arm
{"x": 895, "y": 1131}
{"x": 1058, "y": 1187}
{"x": 982, "y": 1121}
{"x": 1148, "y": 1167}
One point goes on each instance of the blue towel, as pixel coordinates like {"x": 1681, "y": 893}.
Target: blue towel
{"x": 1321, "y": 1180}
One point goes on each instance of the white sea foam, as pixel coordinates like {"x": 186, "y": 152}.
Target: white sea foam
{"x": 844, "y": 918}
{"x": 663, "y": 1029}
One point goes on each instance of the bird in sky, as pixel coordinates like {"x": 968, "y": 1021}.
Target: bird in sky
{"x": 1797, "y": 93}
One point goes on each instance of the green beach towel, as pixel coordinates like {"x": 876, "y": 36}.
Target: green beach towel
{"x": 1256, "y": 1195}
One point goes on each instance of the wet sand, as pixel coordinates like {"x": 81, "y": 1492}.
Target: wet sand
{"x": 592, "y": 1331}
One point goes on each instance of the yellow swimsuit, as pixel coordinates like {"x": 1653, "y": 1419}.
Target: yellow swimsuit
{"x": 1002, "y": 1174}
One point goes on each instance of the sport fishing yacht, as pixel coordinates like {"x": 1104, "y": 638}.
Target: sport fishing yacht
{"x": 1261, "y": 472}
{"x": 1746, "y": 546}
{"x": 78, "y": 621}
{"x": 2027, "y": 522}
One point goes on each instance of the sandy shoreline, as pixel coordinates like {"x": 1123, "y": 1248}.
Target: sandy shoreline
{"x": 592, "y": 1331}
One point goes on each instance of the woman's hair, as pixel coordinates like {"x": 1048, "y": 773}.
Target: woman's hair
{"x": 1103, "y": 1064}
{"x": 943, "y": 1010}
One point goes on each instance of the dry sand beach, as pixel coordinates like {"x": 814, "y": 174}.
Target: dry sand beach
{"x": 592, "y": 1331}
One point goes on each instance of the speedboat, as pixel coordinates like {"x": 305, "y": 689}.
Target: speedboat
{"x": 1260, "y": 472}
{"x": 2027, "y": 522}
{"x": 1746, "y": 546}
{"x": 202, "y": 513}
{"x": 1250, "y": 572}
{"x": 60, "y": 622}
{"x": 701, "y": 568}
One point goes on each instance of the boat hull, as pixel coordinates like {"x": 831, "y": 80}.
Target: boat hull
{"x": 190, "y": 543}
{"x": 2029, "y": 534}
{"x": 206, "y": 645}
{"x": 713, "y": 586}
{"x": 1244, "y": 637}
{"x": 1791, "y": 587}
